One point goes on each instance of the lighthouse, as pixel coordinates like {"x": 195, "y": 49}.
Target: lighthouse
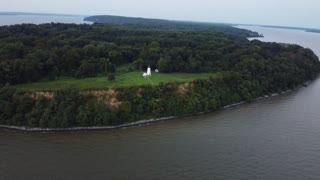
{"x": 149, "y": 71}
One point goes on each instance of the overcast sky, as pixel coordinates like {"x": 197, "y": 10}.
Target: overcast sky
{"x": 303, "y": 13}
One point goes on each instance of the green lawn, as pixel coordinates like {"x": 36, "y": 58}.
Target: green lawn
{"x": 126, "y": 79}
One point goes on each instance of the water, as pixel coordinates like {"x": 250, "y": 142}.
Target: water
{"x": 303, "y": 38}
{"x": 34, "y": 19}
{"x": 276, "y": 138}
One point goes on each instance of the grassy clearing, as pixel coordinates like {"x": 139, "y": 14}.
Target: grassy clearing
{"x": 127, "y": 79}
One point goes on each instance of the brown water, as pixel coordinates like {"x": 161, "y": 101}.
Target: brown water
{"x": 275, "y": 138}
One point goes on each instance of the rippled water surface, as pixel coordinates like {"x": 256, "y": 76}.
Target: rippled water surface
{"x": 275, "y": 138}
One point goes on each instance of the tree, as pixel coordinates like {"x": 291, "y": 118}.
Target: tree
{"x": 111, "y": 77}
{"x": 165, "y": 64}
{"x": 87, "y": 68}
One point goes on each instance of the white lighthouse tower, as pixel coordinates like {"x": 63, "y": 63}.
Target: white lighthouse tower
{"x": 149, "y": 71}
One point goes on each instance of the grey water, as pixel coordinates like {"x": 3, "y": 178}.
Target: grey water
{"x": 275, "y": 138}
{"x": 300, "y": 37}
{"x": 36, "y": 19}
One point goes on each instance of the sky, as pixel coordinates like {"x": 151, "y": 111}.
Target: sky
{"x": 298, "y": 13}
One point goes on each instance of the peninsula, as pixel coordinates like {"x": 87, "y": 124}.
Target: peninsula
{"x": 67, "y": 75}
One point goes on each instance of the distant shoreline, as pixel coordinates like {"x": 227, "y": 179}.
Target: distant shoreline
{"x": 38, "y": 14}
{"x": 11, "y": 19}
{"x": 312, "y": 30}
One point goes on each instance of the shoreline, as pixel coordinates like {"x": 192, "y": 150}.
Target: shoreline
{"x": 141, "y": 122}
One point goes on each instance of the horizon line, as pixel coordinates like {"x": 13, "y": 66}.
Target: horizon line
{"x": 2, "y": 13}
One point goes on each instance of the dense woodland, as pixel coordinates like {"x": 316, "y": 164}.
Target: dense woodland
{"x": 30, "y": 53}
{"x": 161, "y": 24}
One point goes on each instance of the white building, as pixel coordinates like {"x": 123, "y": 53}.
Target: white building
{"x": 148, "y": 73}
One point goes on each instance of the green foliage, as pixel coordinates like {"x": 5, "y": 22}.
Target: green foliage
{"x": 29, "y": 53}
{"x": 75, "y": 108}
{"x": 227, "y": 68}
{"x": 169, "y": 25}
{"x": 111, "y": 77}
{"x": 6, "y": 104}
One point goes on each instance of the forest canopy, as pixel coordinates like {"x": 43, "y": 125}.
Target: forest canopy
{"x": 161, "y": 24}
{"x": 242, "y": 71}
{"x": 30, "y": 53}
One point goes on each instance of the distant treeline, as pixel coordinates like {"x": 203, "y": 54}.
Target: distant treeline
{"x": 313, "y": 30}
{"x": 294, "y": 28}
{"x": 161, "y": 24}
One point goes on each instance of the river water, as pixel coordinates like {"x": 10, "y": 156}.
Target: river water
{"x": 34, "y": 19}
{"x": 275, "y": 138}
